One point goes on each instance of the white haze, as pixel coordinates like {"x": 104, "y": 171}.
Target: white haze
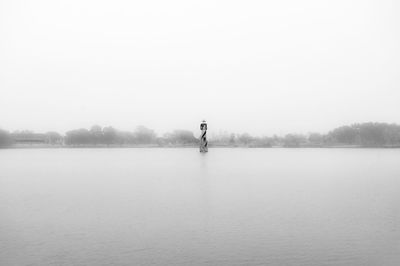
{"x": 261, "y": 67}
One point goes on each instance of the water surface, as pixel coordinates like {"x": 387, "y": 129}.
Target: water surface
{"x": 180, "y": 207}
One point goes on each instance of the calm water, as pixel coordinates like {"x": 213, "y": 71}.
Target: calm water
{"x": 179, "y": 207}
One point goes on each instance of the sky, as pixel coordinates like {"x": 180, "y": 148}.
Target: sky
{"x": 262, "y": 67}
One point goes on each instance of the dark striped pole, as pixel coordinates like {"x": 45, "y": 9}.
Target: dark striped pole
{"x": 203, "y": 137}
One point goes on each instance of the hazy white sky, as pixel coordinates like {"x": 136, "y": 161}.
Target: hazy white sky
{"x": 261, "y": 67}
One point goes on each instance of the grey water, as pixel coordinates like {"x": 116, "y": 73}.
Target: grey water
{"x": 179, "y": 207}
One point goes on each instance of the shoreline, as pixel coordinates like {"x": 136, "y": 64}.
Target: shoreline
{"x": 193, "y": 146}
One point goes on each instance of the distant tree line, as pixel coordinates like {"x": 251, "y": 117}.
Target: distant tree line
{"x": 29, "y": 137}
{"x": 141, "y": 136}
{"x": 358, "y": 135}
{"x": 366, "y": 134}
{"x": 5, "y": 139}
{"x": 97, "y": 135}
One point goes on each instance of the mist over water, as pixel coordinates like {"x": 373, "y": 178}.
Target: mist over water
{"x": 180, "y": 207}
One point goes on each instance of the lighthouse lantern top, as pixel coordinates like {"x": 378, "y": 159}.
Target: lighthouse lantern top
{"x": 203, "y": 125}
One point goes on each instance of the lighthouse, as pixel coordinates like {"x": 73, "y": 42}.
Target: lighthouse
{"x": 203, "y": 137}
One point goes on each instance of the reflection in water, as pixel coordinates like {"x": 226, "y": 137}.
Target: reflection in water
{"x": 180, "y": 207}
{"x": 205, "y": 191}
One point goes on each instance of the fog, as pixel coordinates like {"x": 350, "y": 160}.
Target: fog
{"x": 262, "y": 67}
